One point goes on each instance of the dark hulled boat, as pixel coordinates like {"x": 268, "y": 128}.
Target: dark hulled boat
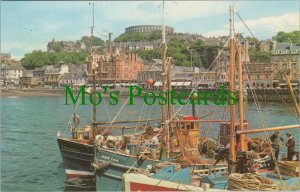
{"x": 77, "y": 151}
{"x": 77, "y": 157}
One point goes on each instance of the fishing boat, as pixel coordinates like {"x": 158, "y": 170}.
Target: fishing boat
{"x": 76, "y": 148}
{"x": 167, "y": 179}
{"x": 77, "y": 153}
{"x": 246, "y": 170}
{"x": 175, "y": 141}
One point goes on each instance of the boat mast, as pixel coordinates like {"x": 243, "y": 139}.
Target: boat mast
{"x": 164, "y": 144}
{"x": 232, "y": 154}
{"x": 293, "y": 95}
{"x": 170, "y": 107}
{"x": 93, "y": 66}
{"x": 164, "y": 74}
{"x": 241, "y": 99}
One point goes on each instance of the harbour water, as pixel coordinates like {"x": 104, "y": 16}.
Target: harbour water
{"x": 30, "y": 159}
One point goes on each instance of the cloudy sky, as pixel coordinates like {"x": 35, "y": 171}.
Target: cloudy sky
{"x": 27, "y": 26}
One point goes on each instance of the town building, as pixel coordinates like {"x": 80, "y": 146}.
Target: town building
{"x": 150, "y": 72}
{"x": 27, "y": 80}
{"x": 5, "y": 58}
{"x": 77, "y": 76}
{"x": 222, "y": 68}
{"x": 265, "y": 45}
{"x": 204, "y": 78}
{"x": 53, "y": 74}
{"x": 10, "y": 74}
{"x": 39, "y": 74}
{"x": 260, "y": 75}
{"x": 181, "y": 76}
{"x": 116, "y": 67}
{"x": 65, "y": 46}
{"x": 148, "y": 28}
{"x": 285, "y": 60}
{"x": 74, "y": 79}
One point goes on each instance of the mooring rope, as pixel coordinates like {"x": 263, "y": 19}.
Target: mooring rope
{"x": 250, "y": 182}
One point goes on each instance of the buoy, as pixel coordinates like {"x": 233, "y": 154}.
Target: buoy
{"x": 150, "y": 82}
{"x": 76, "y": 119}
{"x": 194, "y": 96}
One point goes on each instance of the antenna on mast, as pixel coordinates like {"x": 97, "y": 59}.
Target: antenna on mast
{"x": 93, "y": 26}
{"x": 231, "y": 21}
{"x": 163, "y": 24}
{"x": 93, "y": 67}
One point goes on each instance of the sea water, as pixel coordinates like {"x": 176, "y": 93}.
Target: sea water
{"x": 30, "y": 157}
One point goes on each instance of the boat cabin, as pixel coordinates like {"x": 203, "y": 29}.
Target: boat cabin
{"x": 188, "y": 130}
{"x": 224, "y": 134}
{"x": 84, "y": 135}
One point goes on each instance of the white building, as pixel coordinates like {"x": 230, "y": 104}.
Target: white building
{"x": 10, "y": 74}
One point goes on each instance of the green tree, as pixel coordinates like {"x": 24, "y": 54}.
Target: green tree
{"x": 260, "y": 56}
{"x": 39, "y": 58}
{"x": 139, "y": 36}
{"x": 35, "y": 59}
{"x": 294, "y": 36}
{"x": 96, "y": 41}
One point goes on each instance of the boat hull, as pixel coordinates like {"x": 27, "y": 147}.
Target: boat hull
{"x": 109, "y": 178}
{"x": 140, "y": 182}
{"x": 77, "y": 158}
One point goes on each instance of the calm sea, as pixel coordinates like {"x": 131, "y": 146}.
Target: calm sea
{"x": 30, "y": 158}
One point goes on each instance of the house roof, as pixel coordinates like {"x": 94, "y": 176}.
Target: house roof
{"x": 13, "y": 67}
{"x": 183, "y": 76}
{"x": 4, "y": 54}
{"x": 152, "y": 68}
{"x": 74, "y": 75}
{"x": 55, "y": 70}
{"x": 286, "y": 46}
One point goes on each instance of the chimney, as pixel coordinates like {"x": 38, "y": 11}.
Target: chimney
{"x": 109, "y": 41}
{"x": 291, "y": 44}
{"x": 274, "y": 45}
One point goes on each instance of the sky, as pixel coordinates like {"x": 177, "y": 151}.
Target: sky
{"x": 30, "y": 25}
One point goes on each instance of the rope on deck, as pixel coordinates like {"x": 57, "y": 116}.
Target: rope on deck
{"x": 250, "y": 182}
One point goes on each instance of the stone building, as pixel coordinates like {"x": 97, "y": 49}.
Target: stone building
{"x": 116, "y": 67}
{"x": 265, "y": 45}
{"x": 204, "y": 78}
{"x": 10, "y": 74}
{"x": 147, "y": 28}
{"x": 285, "y": 60}
{"x": 53, "y": 74}
{"x": 28, "y": 80}
{"x": 5, "y": 58}
{"x": 150, "y": 72}
{"x": 65, "y": 46}
{"x": 39, "y": 74}
{"x": 260, "y": 75}
{"x": 77, "y": 76}
{"x": 74, "y": 78}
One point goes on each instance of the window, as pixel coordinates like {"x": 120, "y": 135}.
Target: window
{"x": 86, "y": 135}
{"x": 284, "y": 67}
